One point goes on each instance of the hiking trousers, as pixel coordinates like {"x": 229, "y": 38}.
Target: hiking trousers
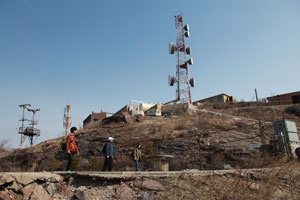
{"x": 137, "y": 165}
{"x": 70, "y": 160}
{"x": 107, "y": 164}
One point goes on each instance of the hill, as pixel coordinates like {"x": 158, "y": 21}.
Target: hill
{"x": 211, "y": 137}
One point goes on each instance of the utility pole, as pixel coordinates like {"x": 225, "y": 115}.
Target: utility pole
{"x": 261, "y": 130}
{"x": 24, "y": 106}
{"x": 33, "y": 122}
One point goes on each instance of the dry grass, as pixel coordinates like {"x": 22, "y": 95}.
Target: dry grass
{"x": 278, "y": 183}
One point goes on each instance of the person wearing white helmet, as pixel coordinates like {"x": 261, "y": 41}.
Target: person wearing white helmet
{"x": 108, "y": 151}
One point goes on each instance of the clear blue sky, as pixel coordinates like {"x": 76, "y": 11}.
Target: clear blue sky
{"x": 101, "y": 54}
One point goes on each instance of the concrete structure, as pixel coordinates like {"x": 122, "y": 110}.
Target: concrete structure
{"x": 220, "y": 98}
{"x": 282, "y": 99}
{"x": 176, "y": 109}
{"x": 94, "y": 118}
{"x": 161, "y": 162}
{"x": 286, "y": 137}
{"x": 154, "y": 111}
{"x": 130, "y": 109}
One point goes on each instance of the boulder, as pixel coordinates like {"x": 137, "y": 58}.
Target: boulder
{"x": 79, "y": 195}
{"x": 9, "y": 195}
{"x": 39, "y": 194}
{"x": 5, "y": 179}
{"x": 50, "y": 188}
{"x": 124, "y": 192}
{"x": 35, "y": 192}
{"x": 152, "y": 185}
{"x": 15, "y": 186}
{"x": 146, "y": 196}
{"x": 27, "y": 178}
{"x": 64, "y": 190}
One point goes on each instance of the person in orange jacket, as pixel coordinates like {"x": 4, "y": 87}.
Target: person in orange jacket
{"x": 71, "y": 147}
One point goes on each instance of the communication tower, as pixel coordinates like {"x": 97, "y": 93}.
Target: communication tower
{"x": 184, "y": 84}
{"x": 67, "y": 118}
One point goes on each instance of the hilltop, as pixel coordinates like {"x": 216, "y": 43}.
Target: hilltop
{"x": 211, "y": 137}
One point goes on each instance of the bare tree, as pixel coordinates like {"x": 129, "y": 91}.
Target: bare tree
{"x": 4, "y": 147}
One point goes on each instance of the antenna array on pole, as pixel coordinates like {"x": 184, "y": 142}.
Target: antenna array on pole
{"x": 184, "y": 84}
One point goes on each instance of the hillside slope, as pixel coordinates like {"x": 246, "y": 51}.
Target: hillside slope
{"x": 198, "y": 140}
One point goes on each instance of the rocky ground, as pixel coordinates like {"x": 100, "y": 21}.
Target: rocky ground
{"x": 278, "y": 183}
{"x": 199, "y": 140}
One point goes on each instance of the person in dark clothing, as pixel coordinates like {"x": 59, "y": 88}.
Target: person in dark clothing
{"x": 109, "y": 154}
{"x": 71, "y": 147}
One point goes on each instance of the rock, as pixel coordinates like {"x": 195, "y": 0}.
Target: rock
{"x": 52, "y": 180}
{"x": 15, "y": 186}
{"x": 254, "y": 186}
{"x": 124, "y": 192}
{"x": 28, "y": 190}
{"x": 27, "y": 178}
{"x": 4, "y": 195}
{"x": 79, "y": 195}
{"x": 70, "y": 181}
{"x": 64, "y": 190}
{"x": 227, "y": 166}
{"x": 39, "y": 194}
{"x": 193, "y": 130}
{"x": 146, "y": 196}
{"x": 280, "y": 195}
{"x": 50, "y": 188}
{"x": 5, "y": 179}
{"x": 9, "y": 195}
{"x": 35, "y": 192}
{"x": 153, "y": 185}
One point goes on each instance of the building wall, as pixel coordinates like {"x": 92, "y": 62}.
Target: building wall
{"x": 291, "y": 98}
{"x": 222, "y": 98}
{"x": 94, "y": 118}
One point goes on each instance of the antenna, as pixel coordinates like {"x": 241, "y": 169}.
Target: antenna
{"x": 183, "y": 91}
{"x": 66, "y": 123}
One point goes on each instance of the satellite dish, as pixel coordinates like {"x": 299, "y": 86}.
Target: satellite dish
{"x": 188, "y": 50}
{"x": 186, "y": 27}
{"x": 171, "y": 48}
{"x": 171, "y": 80}
{"x": 192, "y": 82}
{"x": 191, "y": 61}
{"x": 187, "y": 34}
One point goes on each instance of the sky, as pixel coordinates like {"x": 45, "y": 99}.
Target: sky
{"x": 99, "y": 55}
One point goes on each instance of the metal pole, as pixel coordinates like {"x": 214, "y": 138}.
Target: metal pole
{"x": 33, "y": 123}
{"x": 23, "y": 119}
{"x": 261, "y": 130}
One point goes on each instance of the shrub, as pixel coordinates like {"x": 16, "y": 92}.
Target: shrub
{"x": 294, "y": 110}
{"x": 95, "y": 163}
{"x": 53, "y": 164}
{"x": 76, "y": 163}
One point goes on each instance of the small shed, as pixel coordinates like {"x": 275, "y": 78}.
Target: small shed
{"x": 220, "y": 98}
{"x": 283, "y": 99}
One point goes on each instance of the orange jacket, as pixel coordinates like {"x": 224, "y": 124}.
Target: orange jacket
{"x": 71, "y": 143}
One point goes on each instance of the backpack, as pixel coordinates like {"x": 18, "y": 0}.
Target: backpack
{"x": 104, "y": 149}
{"x": 132, "y": 154}
{"x": 63, "y": 144}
